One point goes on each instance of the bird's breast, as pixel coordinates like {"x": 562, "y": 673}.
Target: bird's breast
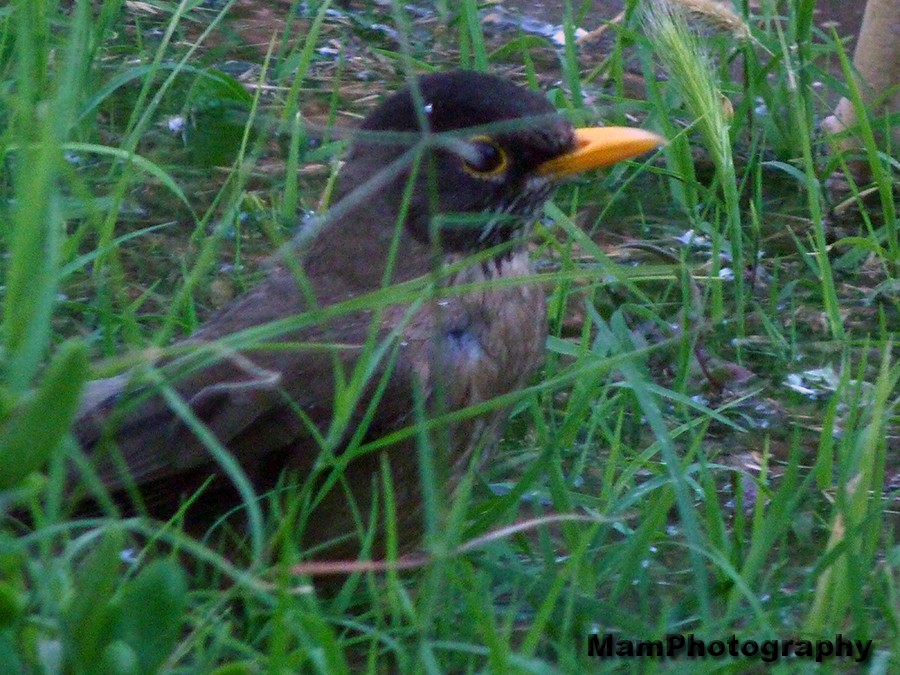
{"x": 484, "y": 341}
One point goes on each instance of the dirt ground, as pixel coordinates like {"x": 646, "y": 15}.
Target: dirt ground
{"x": 843, "y": 15}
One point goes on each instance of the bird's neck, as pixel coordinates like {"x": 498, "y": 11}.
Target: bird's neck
{"x": 357, "y": 253}
{"x": 514, "y": 262}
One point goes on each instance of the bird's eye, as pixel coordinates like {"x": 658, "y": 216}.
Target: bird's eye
{"x": 487, "y": 159}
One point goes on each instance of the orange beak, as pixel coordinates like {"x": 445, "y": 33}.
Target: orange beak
{"x": 597, "y": 147}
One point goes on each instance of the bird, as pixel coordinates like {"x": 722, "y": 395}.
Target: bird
{"x": 412, "y": 301}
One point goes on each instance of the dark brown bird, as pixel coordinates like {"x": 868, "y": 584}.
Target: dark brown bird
{"x": 438, "y": 190}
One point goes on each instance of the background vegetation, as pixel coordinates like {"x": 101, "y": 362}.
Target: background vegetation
{"x": 719, "y": 402}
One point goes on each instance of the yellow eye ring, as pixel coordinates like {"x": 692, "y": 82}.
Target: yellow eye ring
{"x": 487, "y": 160}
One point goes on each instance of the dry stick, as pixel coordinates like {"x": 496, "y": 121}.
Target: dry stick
{"x": 417, "y": 560}
{"x": 598, "y": 32}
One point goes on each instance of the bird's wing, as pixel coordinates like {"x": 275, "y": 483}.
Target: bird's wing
{"x": 255, "y": 401}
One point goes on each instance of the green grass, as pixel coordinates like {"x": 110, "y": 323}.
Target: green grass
{"x": 710, "y": 497}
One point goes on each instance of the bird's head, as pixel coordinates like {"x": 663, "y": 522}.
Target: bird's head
{"x": 467, "y": 159}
